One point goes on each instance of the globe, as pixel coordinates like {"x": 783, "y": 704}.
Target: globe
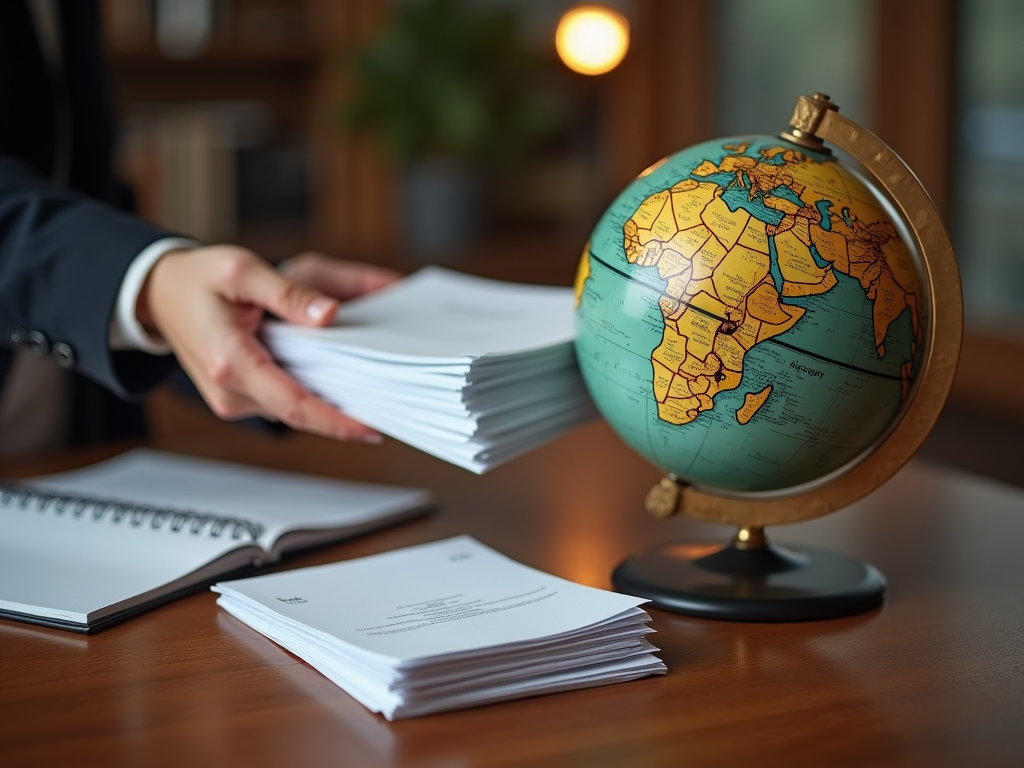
{"x": 749, "y": 316}
{"x": 777, "y": 335}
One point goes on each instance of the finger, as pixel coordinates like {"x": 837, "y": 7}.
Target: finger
{"x": 340, "y": 279}
{"x": 250, "y": 280}
{"x": 230, "y": 406}
{"x": 280, "y": 396}
{"x": 225, "y": 403}
{"x": 221, "y": 397}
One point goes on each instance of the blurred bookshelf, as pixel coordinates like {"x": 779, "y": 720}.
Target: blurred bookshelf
{"x": 225, "y": 109}
{"x": 230, "y": 132}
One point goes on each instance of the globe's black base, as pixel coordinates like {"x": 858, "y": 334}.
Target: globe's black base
{"x": 768, "y": 584}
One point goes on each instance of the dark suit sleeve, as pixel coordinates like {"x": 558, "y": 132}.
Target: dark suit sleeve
{"x": 62, "y": 259}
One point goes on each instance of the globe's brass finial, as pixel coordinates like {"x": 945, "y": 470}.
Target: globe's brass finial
{"x": 807, "y": 116}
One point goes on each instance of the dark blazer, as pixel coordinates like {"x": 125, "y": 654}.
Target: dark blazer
{"x": 64, "y": 251}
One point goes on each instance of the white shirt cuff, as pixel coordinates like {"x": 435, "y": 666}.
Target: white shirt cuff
{"x": 126, "y": 332}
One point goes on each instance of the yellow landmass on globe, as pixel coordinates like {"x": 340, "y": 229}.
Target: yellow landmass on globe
{"x": 705, "y": 169}
{"x": 720, "y": 298}
{"x": 752, "y": 403}
{"x": 581, "y": 275}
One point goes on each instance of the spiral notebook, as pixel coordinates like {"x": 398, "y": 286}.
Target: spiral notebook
{"x": 84, "y": 549}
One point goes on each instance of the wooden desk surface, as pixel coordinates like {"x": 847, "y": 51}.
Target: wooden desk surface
{"x": 935, "y": 677}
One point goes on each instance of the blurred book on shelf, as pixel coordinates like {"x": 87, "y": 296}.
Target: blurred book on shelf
{"x": 188, "y": 29}
{"x": 213, "y": 170}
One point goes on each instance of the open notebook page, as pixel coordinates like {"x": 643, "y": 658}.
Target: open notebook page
{"x": 280, "y": 502}
{"x": 76, "y": 563}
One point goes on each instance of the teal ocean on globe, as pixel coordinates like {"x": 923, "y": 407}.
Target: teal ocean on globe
{"x": 748, "y": 316}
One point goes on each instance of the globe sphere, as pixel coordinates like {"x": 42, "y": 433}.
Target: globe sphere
{"x": 749, "y": 316}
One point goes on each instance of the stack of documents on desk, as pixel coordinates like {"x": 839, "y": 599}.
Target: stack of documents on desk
{"x": 446, "y": 625}
{"x": 471, "y": 370}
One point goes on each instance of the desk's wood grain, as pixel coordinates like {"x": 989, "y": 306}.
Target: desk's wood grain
{"x": 935, "y": 677}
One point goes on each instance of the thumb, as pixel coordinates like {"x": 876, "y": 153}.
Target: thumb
{"x": 288, "y": 300}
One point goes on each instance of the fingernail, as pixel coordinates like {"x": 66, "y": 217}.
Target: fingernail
{"x": 320, "y": 309}
{"x": 373, "y": 438}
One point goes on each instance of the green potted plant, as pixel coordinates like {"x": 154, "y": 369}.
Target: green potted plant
{"x": 449, "y": 91}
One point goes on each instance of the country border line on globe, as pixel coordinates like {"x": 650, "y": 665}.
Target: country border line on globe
{"x": 712, "y": 316}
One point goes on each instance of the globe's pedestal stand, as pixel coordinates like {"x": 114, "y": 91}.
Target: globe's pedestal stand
{"x": 751, "y": 580}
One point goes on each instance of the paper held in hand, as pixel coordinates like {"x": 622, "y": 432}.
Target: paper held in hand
{"x": 446, "y": 625}
{"x": 471, "y": 370}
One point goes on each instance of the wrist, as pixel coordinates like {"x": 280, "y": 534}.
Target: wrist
{"x": 144, "y": 303}
{"x": 126, "y": 331}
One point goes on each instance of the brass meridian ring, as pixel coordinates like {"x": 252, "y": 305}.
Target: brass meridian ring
{"x": 816, "y": 119}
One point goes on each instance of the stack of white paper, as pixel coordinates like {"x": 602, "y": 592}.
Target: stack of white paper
{"x": 471, "y": 370}
{"x": 446, "y": 625}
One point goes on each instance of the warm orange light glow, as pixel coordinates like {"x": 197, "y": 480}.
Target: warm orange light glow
{"x": 592, "y": 39}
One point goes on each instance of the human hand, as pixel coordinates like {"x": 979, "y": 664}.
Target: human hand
{"x": 207, "y": 304}
{"x": 341, "y": 280}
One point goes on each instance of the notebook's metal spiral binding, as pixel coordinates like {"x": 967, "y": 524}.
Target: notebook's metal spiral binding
{"x": 32, "y": 499}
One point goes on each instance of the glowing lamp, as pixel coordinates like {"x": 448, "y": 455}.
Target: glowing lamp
{"x": 592, "y": 39}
